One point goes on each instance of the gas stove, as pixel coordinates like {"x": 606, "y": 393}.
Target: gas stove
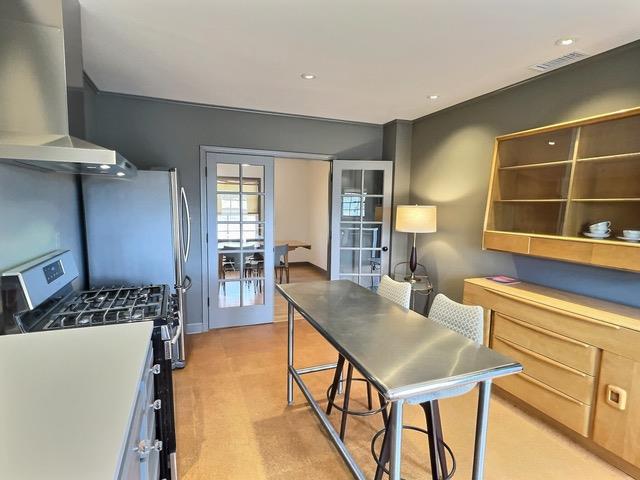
{"x": 39, "y": 296}
{"x": 106, "y": 306}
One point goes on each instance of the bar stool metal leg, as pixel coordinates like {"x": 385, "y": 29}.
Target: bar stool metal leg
{"x": 442, "y": 457}
{"x": 433, "y": 438}
{"x": 384, "y": 451}
{"x": 345, "y": 405}
{"x": 336, "y": 381}
{"x": 385, "y": 417}
{"x": 369, "y": 397}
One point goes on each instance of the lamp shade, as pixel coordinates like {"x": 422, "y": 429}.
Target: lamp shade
{"x": 416, "y": 218}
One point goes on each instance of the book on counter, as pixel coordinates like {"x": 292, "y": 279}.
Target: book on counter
{"x": 503, "y": 279}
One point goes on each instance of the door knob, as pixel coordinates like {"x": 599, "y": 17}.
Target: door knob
{"x": 384, "y": 249}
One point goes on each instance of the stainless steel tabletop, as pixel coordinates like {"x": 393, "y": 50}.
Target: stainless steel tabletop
{"x": 402, "y": 353}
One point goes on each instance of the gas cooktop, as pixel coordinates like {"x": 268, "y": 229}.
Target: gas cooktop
{"x": 106, "y": 306}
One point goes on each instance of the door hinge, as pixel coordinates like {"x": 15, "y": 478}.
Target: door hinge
{"x": 208, "y": 302}
{"x": 207, "y": 238}
{"x": 206, "y": 171}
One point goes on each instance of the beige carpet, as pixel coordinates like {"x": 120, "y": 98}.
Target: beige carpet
{"x": 234, "y": 424}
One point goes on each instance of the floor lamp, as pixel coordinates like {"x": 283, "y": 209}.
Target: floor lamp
{"x": 415, "y": 219}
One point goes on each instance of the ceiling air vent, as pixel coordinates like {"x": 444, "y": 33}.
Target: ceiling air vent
{"x": 558, "y": 62}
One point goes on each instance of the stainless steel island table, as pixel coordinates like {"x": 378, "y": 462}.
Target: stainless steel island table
{"x": 403, "y": 354}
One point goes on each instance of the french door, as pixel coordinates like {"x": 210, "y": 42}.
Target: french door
{"x": 360, "y": 221}
{"x": 240, "y": 239}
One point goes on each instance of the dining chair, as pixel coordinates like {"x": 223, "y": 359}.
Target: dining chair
{"x": 281, "y": 261}
{"x": 468, "y": 321}
{"x": 400, "y": 293}
{"x": 254, "y": 269}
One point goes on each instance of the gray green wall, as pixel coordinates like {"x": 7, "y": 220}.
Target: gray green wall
{"x": 152, "y": 132}
{"x": 41, "y": 211}
{"x": 451, "y": 162}
{"x": 396, "y": 147}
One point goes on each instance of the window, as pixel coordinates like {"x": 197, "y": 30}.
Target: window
{"x": 352, "y": 206}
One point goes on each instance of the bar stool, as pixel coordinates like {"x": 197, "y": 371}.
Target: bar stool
{"x": 400, "y": 293}
{"x": 465, "y": 320}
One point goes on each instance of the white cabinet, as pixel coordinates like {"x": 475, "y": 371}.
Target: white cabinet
{"x": 141, "y": 457}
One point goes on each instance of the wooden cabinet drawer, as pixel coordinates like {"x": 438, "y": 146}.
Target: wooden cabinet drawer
{"x": 506, "y": 242}
{"x": 617, "y": 256}
{"x": 599, "y": 333}
{"x": 567, "y": 351}
{"x": 568, "y": 380}
{"x": 617, "y": 420}
{"x": 557, "y": 405}
{"x": 562, "y": 249}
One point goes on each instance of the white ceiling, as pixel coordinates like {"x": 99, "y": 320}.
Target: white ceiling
{"x": 375, "y": 60}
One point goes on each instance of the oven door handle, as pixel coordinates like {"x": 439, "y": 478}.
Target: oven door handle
{"x": 177, "y": 334}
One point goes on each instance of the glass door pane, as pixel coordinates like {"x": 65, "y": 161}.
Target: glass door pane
{"x": 361, "y": 205}
{"x": 241, "y": 221}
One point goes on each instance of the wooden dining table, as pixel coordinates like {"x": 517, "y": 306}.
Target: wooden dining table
{"x": 293, "y": 244}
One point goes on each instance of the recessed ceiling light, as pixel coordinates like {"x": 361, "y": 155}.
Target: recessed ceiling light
{"x": 308, "y": 76}
{"x": 120, "y": 174}
{"x": 105, "y": 167}
{"x": 551, "y": 142}
{"x": 434, "y": 97}
{"x": 565, "y": 42}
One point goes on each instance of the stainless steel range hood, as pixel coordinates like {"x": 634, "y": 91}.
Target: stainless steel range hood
{"x": 34, "y": 124}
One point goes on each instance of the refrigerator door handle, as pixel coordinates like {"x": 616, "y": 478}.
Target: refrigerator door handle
{"x": 187, "y": 247}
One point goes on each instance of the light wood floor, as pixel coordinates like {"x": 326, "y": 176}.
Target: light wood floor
{"x": 234, "y": 423}
{"x": 297, "y": 273}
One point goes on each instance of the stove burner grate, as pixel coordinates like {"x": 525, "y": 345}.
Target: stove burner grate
{"x": 109, "y": 306}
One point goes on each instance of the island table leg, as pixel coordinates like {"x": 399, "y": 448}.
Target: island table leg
{"x": 290, "y": 333}
{"x": 395, "y": 421}
{"x": 484, "y": 396}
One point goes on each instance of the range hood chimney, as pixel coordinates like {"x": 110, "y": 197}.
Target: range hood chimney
{"x": 34, "y": 123}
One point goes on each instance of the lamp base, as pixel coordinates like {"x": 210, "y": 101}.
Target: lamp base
{"x": 412, "y": 279}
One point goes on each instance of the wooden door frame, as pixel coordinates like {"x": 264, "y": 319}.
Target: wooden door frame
{"x": 204, "y": 224}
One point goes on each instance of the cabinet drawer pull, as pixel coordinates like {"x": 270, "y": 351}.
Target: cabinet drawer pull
{"x": 548, "y": 333}
{"x": 616, "y": 397}
{"x": 156, "y": 405}
{"x": 155, "y": 369}
{"x": 549, "y": 389}
{"x": 566, "y": 313}
{"x": 542, "y": 358}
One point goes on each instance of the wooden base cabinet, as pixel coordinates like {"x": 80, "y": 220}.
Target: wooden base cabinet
{"x": 581, "y": 360}
{"x": 617, "y": 418}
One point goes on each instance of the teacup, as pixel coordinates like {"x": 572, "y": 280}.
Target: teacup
{"x": 600, "y": 227}
{"x": 635, "y": 234}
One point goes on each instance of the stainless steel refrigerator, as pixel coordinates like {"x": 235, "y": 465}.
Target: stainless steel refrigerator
{"x": 139, "y": 232}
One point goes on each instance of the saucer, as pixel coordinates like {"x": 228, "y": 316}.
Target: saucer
{"x": 629, "y": 239}
{"x": 596, "y": 235}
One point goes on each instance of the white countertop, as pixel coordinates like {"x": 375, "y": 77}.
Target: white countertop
{"x": 66, "y": 400}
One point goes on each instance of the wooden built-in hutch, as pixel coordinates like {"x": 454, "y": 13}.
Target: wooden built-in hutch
{"x": 581, "y": 359}
{"x": 550, "y": 183}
